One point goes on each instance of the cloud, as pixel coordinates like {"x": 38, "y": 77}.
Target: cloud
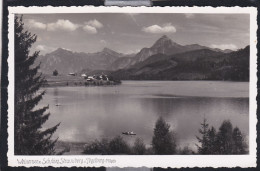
{"x": 92, "y": 26}
{"x": 65, "y": 25}
{"x": 224, "y": 46}
{"x": 94, "y": 23}
{"x": 44, "y": 49}
{"x": 189, "y": 15}
{"x": 37, "y": 25}
{"x": 90, "y": 29}
{"x": 156, "y": 29}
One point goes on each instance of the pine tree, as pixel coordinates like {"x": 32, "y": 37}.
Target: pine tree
{"x": 212, "y": 140}
{"x": 163, "y": 140}
{"x": 30, "y": 139}
{"x": 119, "y": 146}
{"x": 139, "y": 147}
{"x": 55, "y": 73}
{"x": 203, "y": 148}
{"x": 224, "y": 141}
{"x": 239, "y": 145}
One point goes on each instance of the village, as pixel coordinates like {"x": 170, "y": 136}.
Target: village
{"x": 75, "y": 79}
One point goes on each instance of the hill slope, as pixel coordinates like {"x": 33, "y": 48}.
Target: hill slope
{"x": 164, "y": 45}
{"x": 194, "y": 65}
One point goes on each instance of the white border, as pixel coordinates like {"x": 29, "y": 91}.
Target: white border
{"x": 174, "y": 161}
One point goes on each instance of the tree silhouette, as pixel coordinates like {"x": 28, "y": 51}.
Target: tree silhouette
{"x": 224, "y": 141}
{"x": 55, "y": 73}
{"x": 239, "y": 146}
{"x": 97, "y": 147}
{"x": 204, "y": 139}
{"x": 30, "y": 138}
{"x": 163, "y": 140}
{"x": 118, "y": 146}
{"x": 139, "y": 147}
{"x": 212, "y": 140}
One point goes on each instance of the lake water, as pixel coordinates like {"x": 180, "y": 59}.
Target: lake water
{"x": 89, "y": 113}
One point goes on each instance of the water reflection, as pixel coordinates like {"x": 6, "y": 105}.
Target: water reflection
{"x": 56, "y": 95}
{"x": 88, "y": 113}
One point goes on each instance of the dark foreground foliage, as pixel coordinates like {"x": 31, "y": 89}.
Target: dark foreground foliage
{"x": 30, "y": 138}
{"x": 163, "y": 140}
{"x": 115, "y": 146}
{"x": 226, "y": 141}
{"x": 163, "y": 143}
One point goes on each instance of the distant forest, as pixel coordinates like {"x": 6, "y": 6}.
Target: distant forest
{"x": 195, "y": 65}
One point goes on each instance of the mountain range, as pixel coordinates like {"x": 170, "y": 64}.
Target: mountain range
{"x": 66, "y": 61}
{"x": 165, "y": 59}
{"x": 202, "y": 64}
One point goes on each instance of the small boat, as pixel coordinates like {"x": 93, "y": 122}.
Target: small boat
{"x": 72, "y": 74}
{"x": 57, "y": 104}
{"x": 129, "y": 133}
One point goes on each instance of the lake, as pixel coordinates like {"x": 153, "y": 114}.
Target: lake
{"x": 89, "y": 113}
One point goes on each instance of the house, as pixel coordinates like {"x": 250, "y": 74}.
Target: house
{"x": 72, "y": 74}
{"x": 84, "y": 75}
{"x": 101, "y": 77}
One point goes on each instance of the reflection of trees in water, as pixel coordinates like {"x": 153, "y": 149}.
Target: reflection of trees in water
{"x": 167, "y": 107}
{"x": 173, "y": 106}
{"x": 56, "y": 95}
{"x": 162, "y": 107}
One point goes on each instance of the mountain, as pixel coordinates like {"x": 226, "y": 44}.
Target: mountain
{"x": 120, "y": 63}
{"x": 164, "y": 45}
{"x": 232, "y": 66}
{"x": 66, "y": 61}
{"x": 195, "y": 47}
{"x": 199, "y": 64}
{"x": 165, "y": 59}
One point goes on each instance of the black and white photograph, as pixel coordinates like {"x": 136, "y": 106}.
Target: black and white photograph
{"x": 132, "y": 82}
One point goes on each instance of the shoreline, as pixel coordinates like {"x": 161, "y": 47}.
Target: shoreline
{"x": 64, "y": 80}
{"x": 82, "y": 82}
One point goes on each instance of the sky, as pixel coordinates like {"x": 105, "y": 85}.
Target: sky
{"x": 129, "y": 32}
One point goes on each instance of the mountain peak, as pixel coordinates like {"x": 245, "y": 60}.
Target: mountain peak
{"x": 61, "y": 51}
{"x": 164, "y": 41}
{"x": 164, "y": 37}
{"x": 107, "y": 50}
